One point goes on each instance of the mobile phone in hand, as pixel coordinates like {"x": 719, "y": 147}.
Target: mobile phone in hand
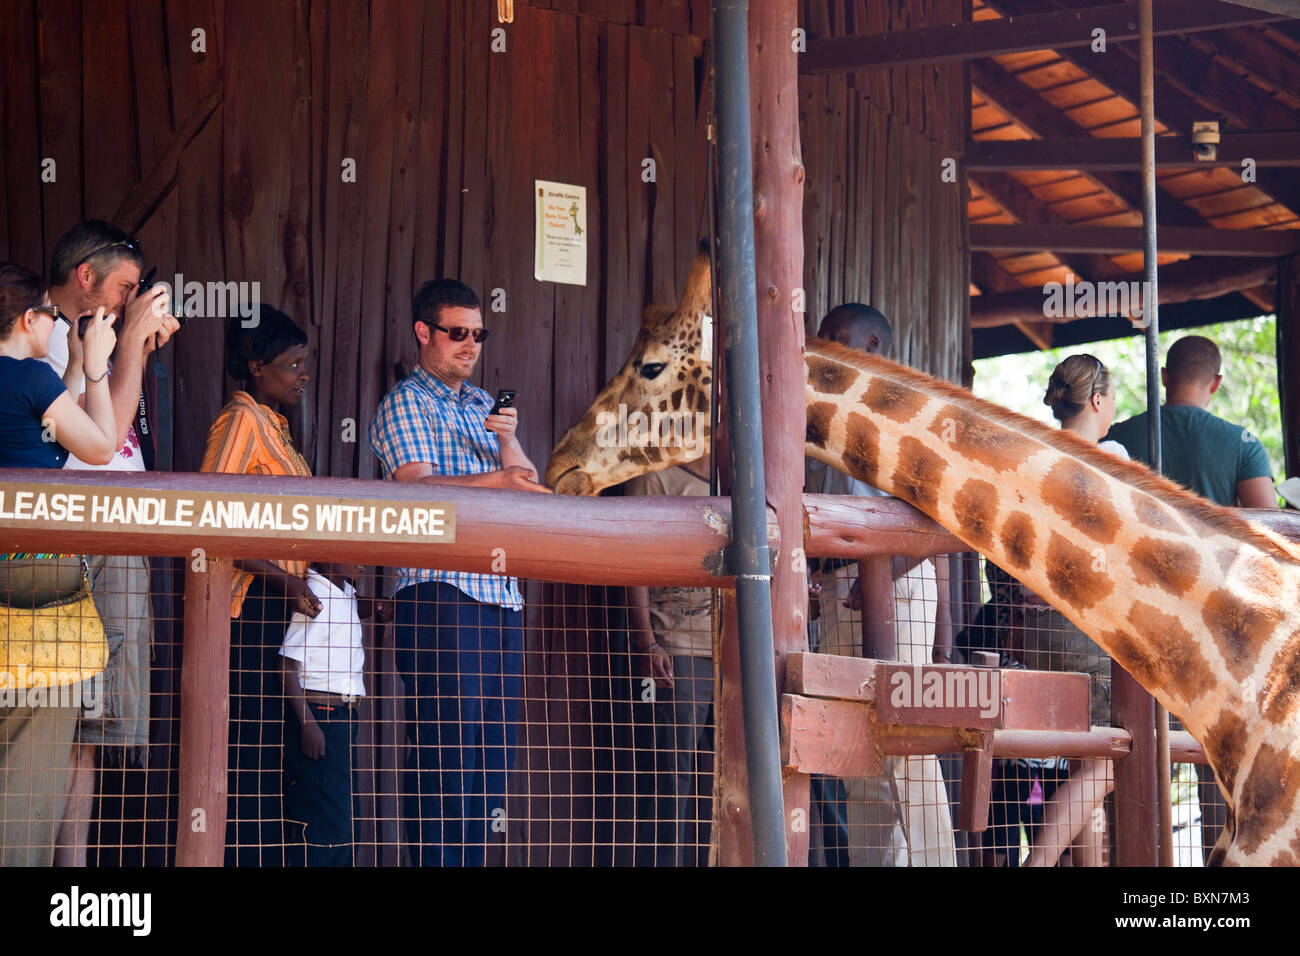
{"x": 505, "y": 399}
{"x": 82, "y": 322}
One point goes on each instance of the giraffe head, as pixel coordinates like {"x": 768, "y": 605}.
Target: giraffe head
{"x": 654, "y": 414}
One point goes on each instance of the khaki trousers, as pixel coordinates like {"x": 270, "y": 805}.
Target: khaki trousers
{"x": 901, "y": 818}
{"x": 35, "y": 741}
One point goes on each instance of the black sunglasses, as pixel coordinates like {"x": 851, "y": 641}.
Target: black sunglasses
{"x": 458, "y": 333}
{"x": 132, "y": 243}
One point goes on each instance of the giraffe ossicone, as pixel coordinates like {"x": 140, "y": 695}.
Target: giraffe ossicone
{"x": 1199, "y": 604}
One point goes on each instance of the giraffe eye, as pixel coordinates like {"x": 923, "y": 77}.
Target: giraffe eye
{"x": 652, "y": 369}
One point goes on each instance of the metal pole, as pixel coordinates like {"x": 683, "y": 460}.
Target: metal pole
{"x": 1150, "y": 299}
{"x": 750, "y": 554}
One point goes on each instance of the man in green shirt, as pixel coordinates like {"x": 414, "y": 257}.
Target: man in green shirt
{"x": 1214, "y": 458}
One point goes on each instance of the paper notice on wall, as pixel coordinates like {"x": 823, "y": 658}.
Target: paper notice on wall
{"x": 561, "y": 254}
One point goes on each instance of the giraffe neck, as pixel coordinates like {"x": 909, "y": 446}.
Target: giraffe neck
{"x": 1196, "y": 603}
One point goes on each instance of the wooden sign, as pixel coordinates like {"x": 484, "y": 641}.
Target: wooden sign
{"x": 80, "y": 507}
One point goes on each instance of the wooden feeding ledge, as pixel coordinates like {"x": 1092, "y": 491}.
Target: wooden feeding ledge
{"x": 841, "y": 716}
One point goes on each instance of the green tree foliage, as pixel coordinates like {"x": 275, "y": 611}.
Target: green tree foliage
{"x": 1247, "y": 397}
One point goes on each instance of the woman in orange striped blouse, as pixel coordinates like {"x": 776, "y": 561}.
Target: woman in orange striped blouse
{"x": 251, "y": 437}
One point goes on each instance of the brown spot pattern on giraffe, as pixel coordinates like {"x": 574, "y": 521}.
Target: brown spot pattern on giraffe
{"x": 1267, "y": 797}
{"x": 976, "y": 505}
{"x": 1071, "y": 575}
{"x": 1173, "y": 661}
{"x": 1282, "y": 683}
{"x": 892, "y": 400}
{"x": 1081, "y": 497}
{"x": 819, "y": 423}
{"x": 1260, "y": 574}
{"x": 978, "y": 439}
{"x": 1154, "y": 515}
{"x": 827, "y": 378}
{"x": 1238, "y": 628}
{"x": 1018, "y": 539}
{"x": 1172, "y": 567}
{"x": 1224, "y": 742}
{"x": 862, "y": 448}
{"x": 918, "y": 474}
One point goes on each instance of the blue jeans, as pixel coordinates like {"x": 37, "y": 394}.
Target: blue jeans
{"x": 462, "y": 664}
{"x": 318, "y": 793}
{"x": 831, "y": 800}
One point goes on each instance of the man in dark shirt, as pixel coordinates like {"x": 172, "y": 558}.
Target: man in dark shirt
{"x": 1214, "y": 458}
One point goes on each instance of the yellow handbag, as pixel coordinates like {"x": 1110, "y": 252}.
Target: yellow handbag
{"x": 53, "y": 645}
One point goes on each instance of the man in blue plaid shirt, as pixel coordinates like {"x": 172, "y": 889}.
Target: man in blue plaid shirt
{"x": 459, "y": 636}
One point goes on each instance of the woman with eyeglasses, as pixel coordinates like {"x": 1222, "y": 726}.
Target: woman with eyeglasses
{"x": 251, "y": 437}
{"x": 40, "y": 423}
{"x": 1082, "y": 398}
{"x": 43, "y": 422}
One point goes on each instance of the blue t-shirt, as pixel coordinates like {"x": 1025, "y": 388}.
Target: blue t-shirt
{"x": 1198, "y": 450}
{"x": 32, "y": 388}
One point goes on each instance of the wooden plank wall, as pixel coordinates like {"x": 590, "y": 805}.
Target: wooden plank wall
{"x": 447, "y": 137}
{"x": 880, "y": 225}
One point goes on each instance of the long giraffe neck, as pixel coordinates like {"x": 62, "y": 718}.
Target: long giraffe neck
{"x": 1195, "y": 602}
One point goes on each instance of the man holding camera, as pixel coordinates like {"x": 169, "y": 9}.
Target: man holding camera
{"x": 459, "y": 636}
{"x": 96, "y": 264}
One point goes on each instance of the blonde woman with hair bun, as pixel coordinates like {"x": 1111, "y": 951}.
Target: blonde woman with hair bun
{"x": 1082, "y": 397}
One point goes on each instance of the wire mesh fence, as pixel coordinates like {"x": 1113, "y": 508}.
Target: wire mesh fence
{"x": 421, "y": 727}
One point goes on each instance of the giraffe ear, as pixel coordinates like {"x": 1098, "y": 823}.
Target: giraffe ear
{"x": 653, "y": 315}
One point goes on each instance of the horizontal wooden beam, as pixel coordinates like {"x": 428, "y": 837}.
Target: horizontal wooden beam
{"x": 1035, "y": 31}
{"x": 619, "y": 541}
{"x": 1189, "y": 240}
{"x": 653, "y": 541}
{"x": 1179, "y": 282}
{"x": 842, "y": 526}
{"x": 1093, "y": 153}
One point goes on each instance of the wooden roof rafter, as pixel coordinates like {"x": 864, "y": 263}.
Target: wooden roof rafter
{"x": 1186, "y": 96}
{"x": 1174, "y": 108}
{"x": 1031, "y": 30}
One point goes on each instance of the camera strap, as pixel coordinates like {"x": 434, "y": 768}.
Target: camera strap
{"x": 143, "y": 429}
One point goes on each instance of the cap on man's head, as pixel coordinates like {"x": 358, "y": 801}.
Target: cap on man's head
{"x": 1193, "y": 360}
{"x": 97, "y": 243}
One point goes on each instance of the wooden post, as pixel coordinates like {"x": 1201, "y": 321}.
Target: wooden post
{"x": 1133, "y": 709}
{"x": 876, "y": 580}
{"x": 1288, "y": 359}
{"x": 778, "y": 267}
{"x": 778, "y": 255}
{"x": 733, "y": 840}
{"x": 205, "y": 716}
